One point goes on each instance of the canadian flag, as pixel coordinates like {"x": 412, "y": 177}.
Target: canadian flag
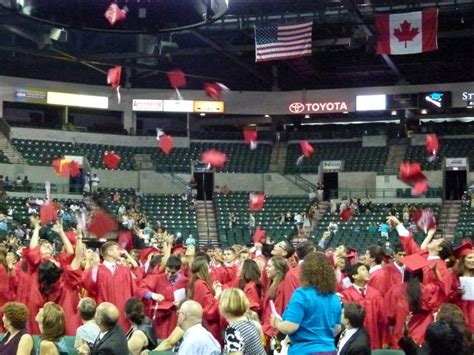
{"x": 407, "y": 33}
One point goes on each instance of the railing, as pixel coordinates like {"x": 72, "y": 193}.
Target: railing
{"x": 381, "y": 193}
{"x": 207, "y": 217}
{"x": 39, "y": 188}
{"x": 5, "y": 128}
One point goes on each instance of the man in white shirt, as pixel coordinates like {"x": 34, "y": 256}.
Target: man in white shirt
{"x": 196, "y": 339}
{"x": 354, "y": 338}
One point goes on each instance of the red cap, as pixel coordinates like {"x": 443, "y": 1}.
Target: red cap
{"x": 352, "y": 255}
{"x": 215, "y": 90}
{"x": 464, "y": 249}
{"x": 420, "y": 188}
{"x": 177, "y": 78}
{"x": 259, "y": 235}
{"x": 115, "y": 14}
{"x": 432, "y": 143}
{"x": 61, "y": 166}
{"x": 411, "y": 172}
{"x": 424, "y": 219}
{"x": 166, "y": 144}
{"x": 113, "y": 76}
{"x": 256, "y": 201}
{"x": 250, "y": 135}
{"x": 102, "y": 224}
{"x": 145, "y": 253}
{"x": 48, "y": 213}
{"x": 214, "y": 158}
{"x": 178, "y": 249}
{"x": 111, "y": 160}
{"x": 306, "y": 148}
{"x": 74, "y": 168}
{"x": 165, "y": 305}
{"x": 346, "y": 214}
{"x": 414, "y": 262}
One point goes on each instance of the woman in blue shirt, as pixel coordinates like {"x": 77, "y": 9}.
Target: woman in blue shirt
{"x": 314, "y": 310}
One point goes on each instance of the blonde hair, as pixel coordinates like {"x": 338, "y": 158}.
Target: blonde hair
{"x": 233, "y": 302}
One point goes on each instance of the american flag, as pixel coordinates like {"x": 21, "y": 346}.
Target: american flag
{"x": 283, "y": 42}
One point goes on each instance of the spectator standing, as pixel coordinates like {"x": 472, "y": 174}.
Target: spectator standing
{"x": 16, "y": 340}
{"x": 95, "y": 183}
{"x": 353, "y": 340}
{"x": 89, "y": 330}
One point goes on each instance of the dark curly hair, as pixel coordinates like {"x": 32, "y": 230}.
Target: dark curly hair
{"x": 317, "y": 272}
{"x": 135, "y": 310}
{"x": 17, "y": 314}
{"x": 48, "y": 275}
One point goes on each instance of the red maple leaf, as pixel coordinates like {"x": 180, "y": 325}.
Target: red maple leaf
{"x": 406, "y": 32}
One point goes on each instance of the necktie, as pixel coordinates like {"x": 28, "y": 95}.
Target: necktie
{"x": 362, "y": 291}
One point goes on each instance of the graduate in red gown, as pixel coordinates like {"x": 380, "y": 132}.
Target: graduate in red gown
{"x": 37, "y": 278}
{"x": 110, "y": 281}
{"x": 277, "y": 268}
{"x": 413, "y": 296}
{"x": 374, "y": 256}
{"x": 395, "y": 270}
{"x": 292, "y": 279}
{"x": 201, "y": 290}
{"x": 5, "y": 293}
{"x": 160, "y": 289}
{"x": 370, "y": 299}
{"x": 249, "y": 282}
{"x": 464, "y": 268}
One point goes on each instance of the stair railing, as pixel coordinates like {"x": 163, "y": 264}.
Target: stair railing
{"x": 207, "y": 218}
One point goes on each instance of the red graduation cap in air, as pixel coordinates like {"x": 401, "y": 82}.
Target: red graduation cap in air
{"x": 256, "y": 201}
{"x": 115, "y": 14}
{"x": 410, "y": 173}
{"x": 113, "y": 76}
{"x": 177, "y": 78}
{"x": 48, "y": 213}
{"x": 63, "y": 167}
{"x": 74, "y": 168}
{"x": 259, "y": 235}
{"x": 432, "y": 146}
{"x": 111, "y": 160}
{"x": 250, "y": 136}
{"x": 215, "y": 90}
{"x": 101, "y": 224}
{"x": 166, "y": 144}
{"x": 306, "y": 148}
{"x": 214, "y": 158}
{"x": 424, "y": 219}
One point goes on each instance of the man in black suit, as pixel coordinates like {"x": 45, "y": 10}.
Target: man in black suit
{"x": 112, "y": 339}
{"x": 353, "y": 340}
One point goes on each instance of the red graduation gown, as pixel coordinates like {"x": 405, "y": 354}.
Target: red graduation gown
{"x": 210, "y": 305}
{"x": 280, "y": 305}
{"x": 115, "y": 288}
{"x": 255, "y": 301}
{"x": 396, "y": 310}
{"x": 378, "y": 281}
{"x": 70, "y": 284}
{"x": 165, "y": 319}
{"x": 5, "y": 293}
{"x": 373, "y": 306}
{"x": 292, "y": 280}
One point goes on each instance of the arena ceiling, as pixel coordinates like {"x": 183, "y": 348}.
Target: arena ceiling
{"x": 343, "y": 48}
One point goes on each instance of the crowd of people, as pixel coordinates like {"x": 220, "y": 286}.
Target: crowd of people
{"x": 160, "y": 292}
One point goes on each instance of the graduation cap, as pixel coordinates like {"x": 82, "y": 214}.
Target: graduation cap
{"x": 352, "y": 256}
{"x": 256, "y": 201}
{"x": 113, "y": 79}
{"x": 424, "y": 219}
{"x": 259, "y": 235}
{"x": 214, "y": 158}
{"x": 177, "y": 78}
{"x": 61, "y": 166}
{"x": 74, "y": 168}
{"x": 48, "y": 213}
{"x": 115, "y": 14}
{"x": 111, "y": 160}
{"x": 164, "y": 305}
{"x": 414, "y": 262}
{"x": 159, "y": 133}
{"x": 410, "y": 173}
{"x": 101, "y": 224}
{"x": 146, "y": 252}
{"x": 432, "y": 145}
{"x": 166, "y": 144}
{"x": 306, "y": 148}
{"x": 420, "y": 188}
{"x": 464, "y": 249}
{"x": 215, "y": 90}
{"x": 250, "y": 136}
{"x": 346, "y": 214}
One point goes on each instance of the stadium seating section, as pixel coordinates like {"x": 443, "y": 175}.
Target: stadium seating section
{"x": 240, "y": 158}
{"x": 354, "y": 233}
{"x": 267, "y": 218}
{"x": 449, "y": 148}
{"x": 465, "y": 226}
{"x": 3, "y": 158}
{"x": 355, "y": 157}
{"x": 170, "y": 210}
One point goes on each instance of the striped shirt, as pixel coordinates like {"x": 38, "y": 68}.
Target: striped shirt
{"x": 243, "y": 336}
